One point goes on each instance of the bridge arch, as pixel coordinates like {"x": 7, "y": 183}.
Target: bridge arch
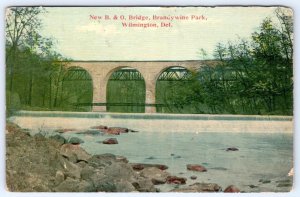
{"x": 76, "y": 89}
{"x": 172, "y": 88}
{"x": 187, "y": 68}
{"x": 125, "y": 90}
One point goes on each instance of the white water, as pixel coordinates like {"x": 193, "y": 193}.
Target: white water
{"x": 265, "y": 147}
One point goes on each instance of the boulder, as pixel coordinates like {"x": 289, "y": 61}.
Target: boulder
{"x": 99, "y": 127}
{"x": 193, "y": 177}
{"x": 110, "y": 141}
{"x": 74, "y": 185}
{"x": 116, "y": 130}
{"x": 120, "y": 177}
{"x": 91, "y": 132}
{"x": 200, "y": 187}
{"x": 196, "y": 167}
{"x": 156, "y": 175}
{"x": 71, "y": 169}
{"x": 60, "y": 139}
{"x": 284, "y": 183}
{"x": 74, "y": 153}
{"x": 176, "y": 180}
{"x": 232, "y": 149}
{"x": 101, "y": 161}
{"x": 264, "y": 181}
{"x": 142, "y": 184}
{"x": 124, "y": 186}
{"x": 232, "y": 189}
{"x": 87, "y": 172}
{"x": 75, "y": 140}
{"x": 59, "y": 177}
{"x": 119, "y": 170}
{"x": 141, "y": 166}
{"x": 121, "y": 159}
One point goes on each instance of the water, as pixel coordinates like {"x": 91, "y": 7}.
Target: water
{"x": 260, "y": 156}
{"x": 265, "y": 144}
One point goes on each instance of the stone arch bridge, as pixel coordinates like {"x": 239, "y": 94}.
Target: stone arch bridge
{"x": 100, "y": 72}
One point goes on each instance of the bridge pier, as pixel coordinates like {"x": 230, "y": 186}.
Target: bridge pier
{"x": 99, "y": 93}
{"x": 100, "y": 72}
{"x": 150, "y": 92}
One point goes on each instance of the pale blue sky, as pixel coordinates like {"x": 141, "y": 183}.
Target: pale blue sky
{"x": 80, "y": 38}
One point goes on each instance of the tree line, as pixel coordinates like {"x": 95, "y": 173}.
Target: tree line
{"x": 34, "y": 70}
{"x": 253, "y": 76}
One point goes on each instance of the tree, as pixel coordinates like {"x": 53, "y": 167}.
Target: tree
{"x": 21, "y": 24}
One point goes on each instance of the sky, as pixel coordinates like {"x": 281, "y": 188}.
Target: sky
{"x": 79, "y": 36}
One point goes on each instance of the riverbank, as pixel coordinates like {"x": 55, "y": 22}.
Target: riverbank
{"x": 40, "y": 164}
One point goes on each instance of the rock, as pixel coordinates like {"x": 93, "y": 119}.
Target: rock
{"x": 124, "y": 186}
{"x": 75, "y": 140}
{"x": 232, "y": 189}
{"x": 120, "y": 170}
{"x": 196, "y": 167}
{"x": 232, "y": 149}
{"x": 87, "y": 172}
{"x": 193, "y": 177}
{"x": 74, "y": 185}
{"x": 132, "y": 131}
{"x": 99, "y": 127}
{"x": 101, "y": 182}
{"x": 59, "y": 177}
{"x": 141, "y": 166}
{"x": 121, "y": 159}
{"x": 65, "y": 130}
{"x": 110, "y": 141}
{"x": 219, "y": 168}
{"x": 74, "y": 153}
{"x": 91, "y": 132}
{"x": 116, "y": 130}
{"x": 252, "y": 186}
{"x": 101, "y": 161}
{"x": 142, "y": 184}
{"x": 72, "y": 170}
{"x": 81, "y": 164}
{"x": 206, "y": 187}
{"x": 176, "y": 180}
{"x": 264, "y": 181}
{"x": 119, "y": 176}
{"x": 156, "y": 175}
{"x": 200, "y": 187}
{"x": 58, "y": 138}
{"x": 151, "y": 157}
{"x": 284, "y": 183}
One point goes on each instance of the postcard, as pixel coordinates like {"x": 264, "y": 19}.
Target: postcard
{"x": 149, "y": 99}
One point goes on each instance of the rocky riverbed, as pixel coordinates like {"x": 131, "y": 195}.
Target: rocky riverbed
{"x": 55, "y": 164}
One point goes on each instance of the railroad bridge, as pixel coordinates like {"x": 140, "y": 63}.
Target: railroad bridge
{"x": 150, "y": 71}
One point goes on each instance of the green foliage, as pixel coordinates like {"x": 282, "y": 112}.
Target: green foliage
{"x": 253, "y": 77}
{"x": 34, "y": 70}
{"x": 126, "y": 92}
